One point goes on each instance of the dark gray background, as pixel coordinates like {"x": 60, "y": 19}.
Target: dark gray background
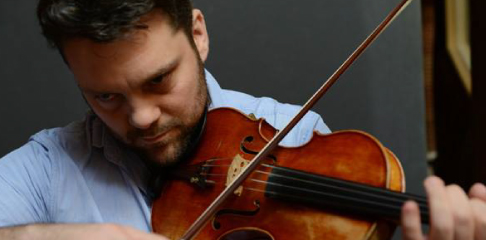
{"x": 283, "y": 49}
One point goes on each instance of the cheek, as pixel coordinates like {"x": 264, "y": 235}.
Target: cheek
{"x": 188, "y": 99}
{"x": 183, "y": 97}
{"x": 115, "y": 123}
{"x": 115, "y": 120}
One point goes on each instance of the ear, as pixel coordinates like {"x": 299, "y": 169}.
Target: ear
{"x": 200, "y": 34}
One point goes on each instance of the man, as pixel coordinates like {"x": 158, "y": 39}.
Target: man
{"x": 139, "y": 65}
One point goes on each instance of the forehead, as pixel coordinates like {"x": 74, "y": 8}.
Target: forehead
{"x": 124, "y": 58}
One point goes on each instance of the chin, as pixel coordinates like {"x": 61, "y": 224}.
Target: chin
{"x": 164, "y": 155}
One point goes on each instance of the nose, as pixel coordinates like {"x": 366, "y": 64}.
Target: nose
{"x": 143, "y": 114}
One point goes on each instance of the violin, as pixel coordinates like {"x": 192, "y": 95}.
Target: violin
{"x": 343, "y": 185}
{"x": 239, "y": 184}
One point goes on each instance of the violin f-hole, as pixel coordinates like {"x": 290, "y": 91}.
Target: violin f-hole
{"x": 247, "y": 213}
{"x": 246, "y": 150}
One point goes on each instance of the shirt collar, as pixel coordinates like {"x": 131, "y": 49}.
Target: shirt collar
{"x": 214, "y": 90}
{"x": 114, "y": 152}
{"x": 95, "y": 130}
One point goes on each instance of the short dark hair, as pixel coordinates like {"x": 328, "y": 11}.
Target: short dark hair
{"x": 105, "y": 20}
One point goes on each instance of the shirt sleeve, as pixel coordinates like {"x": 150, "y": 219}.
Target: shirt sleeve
{"x": 25, "y": 181}
{"x": 321, "y": 126}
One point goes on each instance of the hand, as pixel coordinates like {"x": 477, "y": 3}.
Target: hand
{"x": 86, "y": 231}
{"x": 453, "y": 214}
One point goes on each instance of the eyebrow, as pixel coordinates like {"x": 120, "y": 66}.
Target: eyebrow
{"x": 159, "y": 72}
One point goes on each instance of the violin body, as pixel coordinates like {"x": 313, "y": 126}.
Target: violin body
{"x": 229, "y": 141}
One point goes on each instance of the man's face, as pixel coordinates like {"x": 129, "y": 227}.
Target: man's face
{"x": 149, "y": 89}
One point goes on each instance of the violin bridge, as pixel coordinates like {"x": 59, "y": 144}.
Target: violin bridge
{"x": 237, "y": 165}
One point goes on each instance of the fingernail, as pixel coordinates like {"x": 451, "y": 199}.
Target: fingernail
{"x": 433, "y": 181}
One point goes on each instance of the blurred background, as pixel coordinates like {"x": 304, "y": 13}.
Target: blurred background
{"x": 417, "y": 88}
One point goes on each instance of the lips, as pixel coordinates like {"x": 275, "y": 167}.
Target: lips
{"x": 154, "y": 139}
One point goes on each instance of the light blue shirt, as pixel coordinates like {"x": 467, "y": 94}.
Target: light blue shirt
{"x": 80, "y": 174}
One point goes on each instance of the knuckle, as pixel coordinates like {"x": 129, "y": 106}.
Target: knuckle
{"x": 481, "y": 222}
{"x": 479, "y": 212}
{"x": 463, "y": 218}
{"x": 455, "y": 189}
{"x": 444, "y": 226}
{"x": 461, "y": 212}
{"x": 454, "y": 186}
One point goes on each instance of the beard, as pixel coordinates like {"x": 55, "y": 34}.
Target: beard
{"x": 175, "y": 147}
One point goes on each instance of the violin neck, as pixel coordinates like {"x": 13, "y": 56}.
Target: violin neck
{"x": 340, "y": 195}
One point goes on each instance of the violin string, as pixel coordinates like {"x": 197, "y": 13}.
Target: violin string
{"x": 393, "y": 203}
{"x": 210, "y": 182}
{"x": 254, "y": 189}
{"x": 227, "y": 159}
{"x": 378, "y": 193}
{"x": 368, "y": 190}
{"x": 342, "y": 202}
{"x": 375, "y": 207}
{"x": 392, "y": 207}
{"x": 214, "y": 174}
{"x": 398, "y": 198}
{"x": 219, "y": 159}
{"x": 391, "y": 196}
{"x": 215, "y": 165}
{"x": 396, "y": 202}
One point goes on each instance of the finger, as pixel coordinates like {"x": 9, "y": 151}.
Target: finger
{"x": 461, "y": 213}
{"x": 441, "y": 222}
{"x": 478, "y": 190}
{"x": 479, "y": 211}
{"x": 410, "y": 221}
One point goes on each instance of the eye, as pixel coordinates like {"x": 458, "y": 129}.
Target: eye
{"x": 109, "y": 101}
{"x": 157, "y": 80}
{"x": 105, "y": 97}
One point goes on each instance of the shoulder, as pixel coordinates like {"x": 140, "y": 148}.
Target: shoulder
{"x": 48, "y": 152}
{"x": 51, "y": 140}
{"x": 69, "y": 142}
{"x": 29, "y": 175}
{"x": 275, "y": 113}
{"x": 279, "y": 115}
